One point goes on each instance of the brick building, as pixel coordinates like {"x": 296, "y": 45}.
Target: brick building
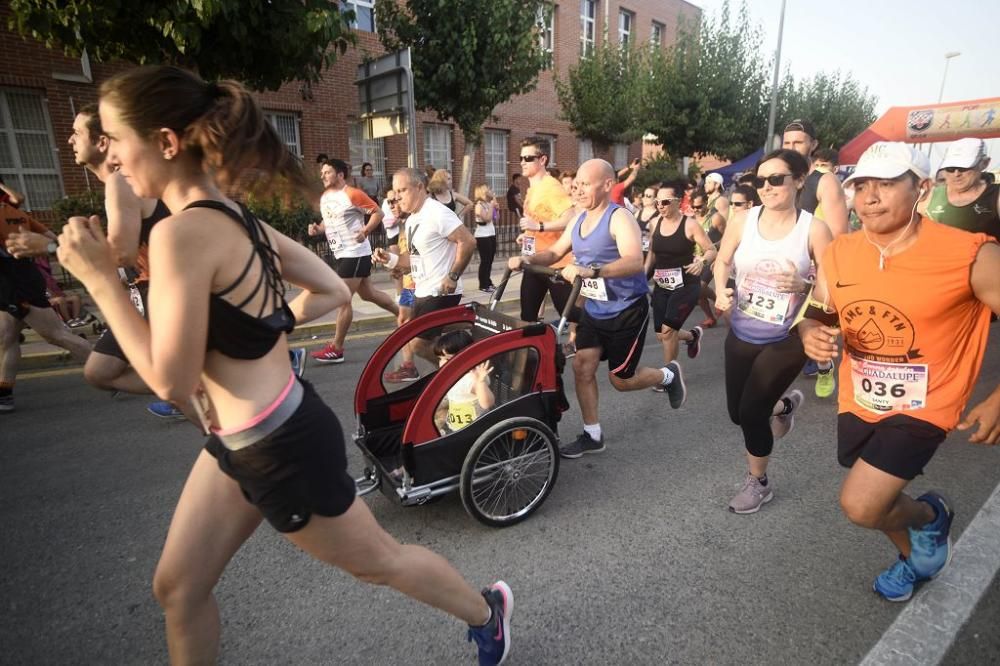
{"x": 40, "y": 89}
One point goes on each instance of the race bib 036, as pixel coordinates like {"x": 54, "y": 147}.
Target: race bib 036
{"x": 889, "y": 387}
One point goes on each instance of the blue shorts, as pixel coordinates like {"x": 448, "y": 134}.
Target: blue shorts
{"x": 406, "y": 298}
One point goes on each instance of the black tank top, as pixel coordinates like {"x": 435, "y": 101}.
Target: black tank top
{"x": 140, "y": 273}
{"x": 451, "y": 202}
{"x": 673, "y": 251}
{"x": 231, "y": 331}
{"x": 808, "y": 199}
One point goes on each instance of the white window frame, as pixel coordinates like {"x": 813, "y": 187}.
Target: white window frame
{"x": 545, "y": 19}
{"x": 619, "y": 153}
{"x": 365, "y": 4}
{"x": 656, "y": 34}
{"x": 363, "y": 150}
{"x": 495, "y": 144}
{"x": 588, "y": 27}
{"x": 434, "y": 153}
{"x": 294, "y": 144}
{"x": 626, "y": 24}
{"x": 16, "y": 174}
{"x": 551, "y": 138}
{"x": 584, "y": 150}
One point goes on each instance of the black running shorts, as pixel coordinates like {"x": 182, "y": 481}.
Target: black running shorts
{"x": 22, "y": 285}
{"x": 424, "y": 304}
{"x": 619, "y": 338}
{"x": 673, "y": 307}
{"x": 298, "y": 470}
{"x": 353, "y": 267}
{"x": 899, "y": 445}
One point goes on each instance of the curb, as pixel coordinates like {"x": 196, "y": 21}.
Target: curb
{"x": 302, "y": 336}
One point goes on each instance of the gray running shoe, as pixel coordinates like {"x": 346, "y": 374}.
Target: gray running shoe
{"x": 676, "y": 390}
{"x": 782, "y": 425}
{"x": 752, "y": 496}
{"x": 6, "y": 404}
{"x": 581, "y": 445}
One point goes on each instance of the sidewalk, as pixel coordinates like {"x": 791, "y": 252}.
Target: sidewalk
{"x": 36, "y": 354}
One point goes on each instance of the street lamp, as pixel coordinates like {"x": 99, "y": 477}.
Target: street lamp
{"x": 947, "y": 58}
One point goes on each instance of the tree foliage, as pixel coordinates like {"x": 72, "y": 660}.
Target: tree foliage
{"x": 260, "y": 42}
{"x": 469, "y": 56}
{"x": 600, "y": 98}
{"x": 839, "y": 107}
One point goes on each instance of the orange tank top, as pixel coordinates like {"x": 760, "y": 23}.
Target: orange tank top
{"x": 914, "y": 333}
{"x": 546, "y": 202}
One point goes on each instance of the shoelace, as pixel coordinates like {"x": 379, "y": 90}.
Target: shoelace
{"x": 925, "y": 540}
{"x": 901, "y": 573}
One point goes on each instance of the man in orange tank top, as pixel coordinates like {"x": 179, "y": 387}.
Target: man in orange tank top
{"x": 912, "y": 299}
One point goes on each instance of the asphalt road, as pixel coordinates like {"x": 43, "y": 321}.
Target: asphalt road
{"x": 633, "y": 559}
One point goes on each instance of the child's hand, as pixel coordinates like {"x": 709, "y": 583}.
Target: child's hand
{"x": 482, "y": 372}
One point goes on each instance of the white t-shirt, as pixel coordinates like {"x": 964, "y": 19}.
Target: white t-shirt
{"x": 389, "y": 221}
{"x": 484, "y": 230}
{"x": 431, "y": 253}
{"x": 343, "y": 217}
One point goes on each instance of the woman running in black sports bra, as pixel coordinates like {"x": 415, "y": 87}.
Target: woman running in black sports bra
{"x": 217, "y": 328}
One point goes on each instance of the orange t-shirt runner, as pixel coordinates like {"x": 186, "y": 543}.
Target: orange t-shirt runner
{"x": 914, "y": 333}
{"x": 14, "y": 221}
{"x": 546, "y": 202}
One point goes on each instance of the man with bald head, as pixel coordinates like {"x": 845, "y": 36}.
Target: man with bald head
{"x": 607, "y": 246}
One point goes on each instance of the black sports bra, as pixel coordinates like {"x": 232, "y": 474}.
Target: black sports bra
{"x": 231, "y": 331}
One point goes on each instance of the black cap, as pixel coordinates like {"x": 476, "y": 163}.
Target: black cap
{"x": 800, "y": 125}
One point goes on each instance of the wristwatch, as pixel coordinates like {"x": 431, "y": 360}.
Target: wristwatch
{"x": 596, "y": 268}
{"x": 541, "y": 226}
{"x": 454, "y": 277}
{"x": 52, "y": 247}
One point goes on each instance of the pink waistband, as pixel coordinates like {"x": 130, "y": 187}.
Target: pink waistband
{"x": 263, "y": 415}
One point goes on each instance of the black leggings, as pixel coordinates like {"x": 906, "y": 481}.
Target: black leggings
{"x": 487, "y": 246}
{"x": 533, "y": 290}
{"x": 756, "y": 378}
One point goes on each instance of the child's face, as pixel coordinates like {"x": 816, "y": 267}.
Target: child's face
{"x": 444, "y": 358}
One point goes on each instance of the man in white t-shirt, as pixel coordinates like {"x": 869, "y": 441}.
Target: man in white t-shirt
{"x": 439, "y": 249}
{"x": 344, "y": 209}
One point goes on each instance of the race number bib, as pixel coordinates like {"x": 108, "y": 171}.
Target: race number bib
{"x": 889, "y": 387}
{"x": 416, "y": 267}
{"x": 334, "y": 240}
{"x": 136, "y": 298}
{"x": 645, "y": 241}
{"x": 528, "y": 246}
{"x": 460, "y": 414}
{"x": 668, "y": 278}
{"x": 758, "y": 299}
{"x": 594, "y": 289}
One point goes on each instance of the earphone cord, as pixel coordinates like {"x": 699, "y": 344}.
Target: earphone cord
{"x": 882, "y": 250}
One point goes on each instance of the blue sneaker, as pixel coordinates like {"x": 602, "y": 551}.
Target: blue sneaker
{"x": 493, "y": 638}
{"x": 164, "y": 410}
{"x": 931, "y": 544}
{"x": 896, "y": 582}
{"x": 298, "y": 359}
{"x": 811, "y": 368}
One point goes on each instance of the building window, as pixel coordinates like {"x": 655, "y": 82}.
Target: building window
{"x": 585, "y": 151}
{"x": 27, "y": 149}
{"x": 620, "y": 153}
{"x": 551, "y": 139}
{"x": 366, "y": 150}
{"x": 626, "y": 20}
{"x": 364, "y": 14}
{"x": 546, "y": 21}
{"x": 287, "y": 127}
{"x": 495, "y": 147}
{"x": 588, "y": 27}
{"x": 656, "y": 35}
{"x": 437, "y": 146}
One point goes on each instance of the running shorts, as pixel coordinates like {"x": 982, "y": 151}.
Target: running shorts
{"x": 22, "y": 285}
{"x": 353, "y": 267}
{"x": 620, "y": 338}
{"x": 425, "y": 304}
{"x": 673, "y": 307}
{"x": 899, "y": 445}
{"x": 406, "y": 298}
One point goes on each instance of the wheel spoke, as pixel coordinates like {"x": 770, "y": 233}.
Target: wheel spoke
{"x": 510, "y": 475}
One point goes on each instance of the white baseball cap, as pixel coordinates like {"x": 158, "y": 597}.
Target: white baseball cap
{"x": 890, "y": 159}
{"x": 717, "y": 177}
{"x": 964, "y": 154}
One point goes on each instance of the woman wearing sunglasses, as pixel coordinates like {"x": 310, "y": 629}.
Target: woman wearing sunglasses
{"x": 675, "y": 272}
{"x": 646, "y": 215}
{"x": 770, "y": 248}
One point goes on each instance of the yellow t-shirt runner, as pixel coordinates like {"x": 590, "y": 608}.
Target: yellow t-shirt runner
{"x": 546, "y": 202}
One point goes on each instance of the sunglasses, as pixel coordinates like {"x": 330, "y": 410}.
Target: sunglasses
{"x": 774, "y": 180}
{"x": 529, "y": 158}
{"x": 956, "y": 169}
{"x": 666, "y": 202}
{"x": 741, "y": 204}
{"x": 648, "y": 196}
{"x": 392, "y": 201}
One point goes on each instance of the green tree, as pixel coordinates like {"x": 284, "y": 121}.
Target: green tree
{"x": 260, "y": 42}
{"x": 839, "y": 107}
{"x": 600, "y": 96}
{"x": 469, "y": 56}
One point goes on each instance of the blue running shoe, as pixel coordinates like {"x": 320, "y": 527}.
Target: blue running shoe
{"x": 164, "y": 410}
{"x": 931, "y": 544}
{"x": 298, "y": 359}
{"x": 811, "y": 368}
{"x": 493, "y": 638}
{"x": 896, "y": 582}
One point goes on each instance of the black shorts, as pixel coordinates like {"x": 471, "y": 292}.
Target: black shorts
{"x": 533, "y": 290}
{"x": 353, "y": 267}
{"x": 620, "y": 338}
{"x": 298, "y": 470}
{"x": 899, "y": 445}
{"x": 21, "y": 285}
{"x": 673, "y": 307}
{"x": 424, "y": 304}
{"x": 107, "y": 343}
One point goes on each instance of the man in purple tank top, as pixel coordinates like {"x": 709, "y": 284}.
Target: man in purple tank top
{"x": 607, "y": 245}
